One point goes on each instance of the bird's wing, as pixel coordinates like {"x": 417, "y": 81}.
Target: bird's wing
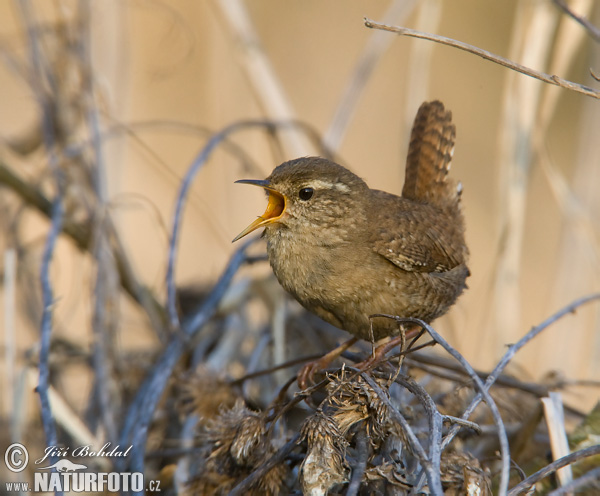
{"x": 413, "y": 236}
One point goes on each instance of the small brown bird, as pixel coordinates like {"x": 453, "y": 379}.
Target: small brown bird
{"x": 346, "y": 251}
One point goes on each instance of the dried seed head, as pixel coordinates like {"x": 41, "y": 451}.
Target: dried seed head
{"x": 236, "y": 443}
{"x": 250, "y": 441}
{"x": 324, "y": 465}
{"x": 354, "y": 401}
{"x": 238, "y": 433}
{"x": 462, "y": 474}
{"x": 389, "y": 472}
{"x": 204, "y": 394}
{"x": 273, "y": 482}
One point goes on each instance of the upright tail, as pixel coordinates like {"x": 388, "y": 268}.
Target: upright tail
{"x": 430, "y": 156}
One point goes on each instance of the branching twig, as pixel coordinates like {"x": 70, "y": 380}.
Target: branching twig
{"x": 140, "y": 413}
{"x": 186, "y": 183}
{"x": 81, "y": 235}
{"x": 433, "y": 476}
{"x": 547, "y": 78}
{"x": 56, "y": 218}
{"x": 524, "y": 486}
{"x": 435, "y": 422}
{"x": 513, "y": 350}
{"x": 483, "y": 390}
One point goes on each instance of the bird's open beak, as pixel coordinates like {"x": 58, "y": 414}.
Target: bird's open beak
{"x": 274, "y": 211}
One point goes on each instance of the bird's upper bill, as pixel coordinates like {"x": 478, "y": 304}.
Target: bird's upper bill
{"x": 274, "y": 211}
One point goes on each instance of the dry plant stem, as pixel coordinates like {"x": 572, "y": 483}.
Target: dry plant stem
{"x": 546, "y": 78}
{"x": 483, "y": 392}
{"x": 81, "y": 235}
{"x": 358, "y": 470}
{"x": 592, "y": 30}
{"x": 591, "y": 477}
{"x": 513, "y": 350}
{"x": 435, "y": 424}
{"x": 46, "y": 327}
{"x": 103, "y": 326}
{"x": 270, "y": 370}
{"x": 104, "y": 321}
{"x": 278, "y": 457}
{"x": 9, "y": 284}
{"x": 559, "y": 444}
{"x": 55, "y": 228}
{"x": 139, "y": 416}
{"x": 374, "y": 49}
{"x": 533, "y": 479}
{"x": 418, "y": 360}
{"x": 433, "y": 476}
{"x": 186, "y": 183}
{"x": 269, "y": 91}
{"x": 462, "y": 422}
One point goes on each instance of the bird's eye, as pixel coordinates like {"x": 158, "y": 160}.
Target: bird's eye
{"x": 305, "y": 194}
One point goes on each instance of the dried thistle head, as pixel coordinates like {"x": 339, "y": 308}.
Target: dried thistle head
{"x": 237, "y": 435}
{"x": 236, "y": 443}
{"x": 355, "y": 400}
{"x": 204, "y": 393}
{"x": 324, "y": 465}
{"x": 389, "y": 474}
{"x": 462, "y": 474}
{"x": 250, "y": 441}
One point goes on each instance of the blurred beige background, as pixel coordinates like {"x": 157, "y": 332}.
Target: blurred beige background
{"x": 527, "y": 154}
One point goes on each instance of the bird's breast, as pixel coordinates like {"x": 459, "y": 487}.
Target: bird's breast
{"x": 306, "y": 267}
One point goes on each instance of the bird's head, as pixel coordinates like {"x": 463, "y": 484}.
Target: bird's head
{"x": 309, "y": 193}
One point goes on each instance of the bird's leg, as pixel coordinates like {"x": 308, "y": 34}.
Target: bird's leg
{"x": 307, "y": 372}
{"x": 379, "y": 353}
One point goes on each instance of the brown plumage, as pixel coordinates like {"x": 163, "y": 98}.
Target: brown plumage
{"x": 346, "y": 251}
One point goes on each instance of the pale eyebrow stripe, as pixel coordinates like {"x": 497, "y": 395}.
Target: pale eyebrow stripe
{"x": 320, "y": 184}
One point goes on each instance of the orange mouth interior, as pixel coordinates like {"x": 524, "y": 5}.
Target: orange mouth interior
{"x": 273, "y": 212}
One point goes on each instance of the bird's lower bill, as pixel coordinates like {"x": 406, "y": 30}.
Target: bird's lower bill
{"x": 273, "y": 213}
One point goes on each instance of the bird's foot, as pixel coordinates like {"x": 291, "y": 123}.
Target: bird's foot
{"x": 378, "y": 356}
{"x": 308, "y": 371}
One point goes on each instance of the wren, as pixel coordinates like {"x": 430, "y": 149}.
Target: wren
{"x": 346, "y": 251}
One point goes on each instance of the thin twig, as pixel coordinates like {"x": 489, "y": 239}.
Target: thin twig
{"x": 435, "y": 424}
{"x": 433, "y": 476}
{"x": 186, "y": 183}
{"x": 81, "y": 235}
{"x": 56, "y": 219}
{"x": 547, "y": 78}
{"x": 278, "y": 457}
{"x": 592, "y": 30}
{"x": 514, "y": 349}
{"x": 463, "y": 422}
{"x": 372, "y": 53}
{"x": 358, "y": 470}
{"x": 104, "y": 319}
{"x": 483, "y": 390}
{"x": 539, "y": 390}
{"x": 270, "y": 370}
{"x": 139, "y": 416}
{"x": 590, "y": 477}
{"x": 524, "y": 486}
{"x": 46, "y": 325}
